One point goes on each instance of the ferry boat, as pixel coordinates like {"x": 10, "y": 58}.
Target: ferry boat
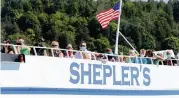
{"x": 48, "y": 76}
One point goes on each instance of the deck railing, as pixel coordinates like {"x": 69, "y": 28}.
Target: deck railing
{"x": 95, "y": 56}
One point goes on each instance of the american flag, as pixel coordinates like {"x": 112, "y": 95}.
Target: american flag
{"x": 106, "y": 16}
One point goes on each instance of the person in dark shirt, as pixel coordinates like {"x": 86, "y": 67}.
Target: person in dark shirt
{"x": 39, "y": 51}
{"x": 6, "y": 48}
{"x": 110, "y": 57}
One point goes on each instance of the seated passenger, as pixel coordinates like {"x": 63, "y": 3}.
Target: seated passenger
{"x": 122, "y": 59}
{"x": 85, "y": 54}
{"x": 158, "y": 59}
{"x": 110, "y": 56}
{"x": 169, "y": 60}
{"x": 39, "y": 51}
{"x": 142, "y": 52}
{"x": 56, "y": 51}
{"x": 6, "y": 48}
{"x": 133, "y": 56}
{"x": 22, "y": 48}
{"x": 69, "y": 52}
{"x": 142, "y": 60}
{"x": 149, "y": 56}
{"x": 94, "y": 55}
{"x": 155, "y": 59}
{"x": 98, "y": 56}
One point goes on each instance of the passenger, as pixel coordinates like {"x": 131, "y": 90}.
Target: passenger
{"x": 6, "y": 48}
{"x": 69, "y": 52}
{"x": 142, "y": 52}
{"x": 40, "y": 51}
{"x": 149, "y": 56}
{"x": 94, "y": 55}
{"x": 56, "y": 51}
{"x": 169, "y": 60}
{"x": 133, "y": 56}
{"x": 142, "y": 60}
{"x": 122, "y": 59}
{"x": 158, "y": 59}
{"x": 22, "y": 48}
{"x": 98, "y": 56}
{"x": 83, "y": 46}
{"x": 126, "y": 59}
{"x": 110, "y": 56}
{"x": 85, "y": 54}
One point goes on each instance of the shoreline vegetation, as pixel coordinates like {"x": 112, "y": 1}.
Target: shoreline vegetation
{"x": 149, "y": 25}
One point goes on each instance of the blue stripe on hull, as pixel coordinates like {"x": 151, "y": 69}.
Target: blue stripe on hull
{"x": 10, "y": 66}
{"x": 69, "y": 91}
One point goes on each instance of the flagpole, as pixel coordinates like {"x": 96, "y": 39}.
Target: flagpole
{"x": 118, "y": 32}
{"x": 118, "y": 26}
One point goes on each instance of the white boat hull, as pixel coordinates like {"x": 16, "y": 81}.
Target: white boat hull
{"x": 44, "y": 77}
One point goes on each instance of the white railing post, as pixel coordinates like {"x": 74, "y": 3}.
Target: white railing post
{"x": 81, "y": 54}
{"x": 52, "y": 52}
{"x": 15, "y": 50}
{"x": 107, "y": 57}
{"x": 171, "y": 62}
{"x": 34, "y": 51}
{"x": 151, "y": 60}
{"x": 130, "y": 61}
{"x": 93, "y": 56}
{"x": 141, "y": 60}
{"x": 67, "y": 53}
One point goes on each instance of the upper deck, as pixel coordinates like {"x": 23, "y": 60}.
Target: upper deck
{"x": 75, "y": 54}
{"x": 97, "y": 74}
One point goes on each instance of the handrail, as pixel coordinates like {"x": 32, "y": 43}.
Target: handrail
{"x": 117, "y": 57}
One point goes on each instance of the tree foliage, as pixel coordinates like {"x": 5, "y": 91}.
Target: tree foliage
{"x": 149, "y": 25}
{"x": 171, "y": 43}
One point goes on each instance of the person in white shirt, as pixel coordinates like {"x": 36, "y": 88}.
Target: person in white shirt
{"x": 85, "y": 54}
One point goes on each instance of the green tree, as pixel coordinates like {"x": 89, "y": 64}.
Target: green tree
{"x": 30, "y": 33}
{"x": 37, "y": 5}
{"x": 27, "y": 6}
{"x": 148, "y": 41}
{"x": 176, "y": 11}
{"x": 171, "y": 43}
{"x": 144, "y": 24}
{"x": 72, "y": 8}
{"x": 123, "y": 49}
{"x": 101, "y": 44}
{"x": 15, "y": 36}
{"x": 29, "y": 20}
{"x": 68, "y": 37}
